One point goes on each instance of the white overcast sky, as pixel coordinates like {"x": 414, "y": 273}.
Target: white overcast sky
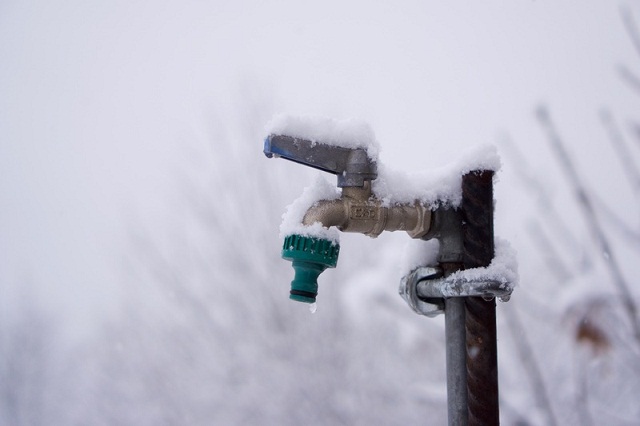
{"x": 98, "y": 98}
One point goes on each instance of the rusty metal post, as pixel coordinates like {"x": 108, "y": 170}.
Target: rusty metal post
{"x": 482, "y": 353}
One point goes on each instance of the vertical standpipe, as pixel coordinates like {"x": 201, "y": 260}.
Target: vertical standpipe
{"x": 480, "y": 315}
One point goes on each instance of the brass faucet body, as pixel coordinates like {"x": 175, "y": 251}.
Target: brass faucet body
{"x": 357, "y": 210}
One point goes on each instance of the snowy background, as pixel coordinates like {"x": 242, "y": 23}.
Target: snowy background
{"x": 140, "y": 277}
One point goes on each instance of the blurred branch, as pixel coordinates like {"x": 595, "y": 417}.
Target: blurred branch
{"x": 630, "y": 78}
{"x": 614, "y": 219}
{"x": 588, "y": 212}
{"x": 530, "y": 365}
{"x": 582, "y": 394}
{"x": 634, "y": 35}
{"x": 631, "y": 27}
{"x": 620, "y": 148}
{"x": 516, "y": 416}
{"x": 635, "y": 128}
{"x": 551, "y": 256}
{"x": 631, "y": 170}
{"x": 532, "y": 183}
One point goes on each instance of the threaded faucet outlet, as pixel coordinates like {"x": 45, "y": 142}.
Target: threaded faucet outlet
{"x": 310, "y": 256}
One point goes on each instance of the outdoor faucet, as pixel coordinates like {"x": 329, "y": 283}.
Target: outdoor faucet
{"x": 357, "y": 209}
{"x": 462, "y": 283}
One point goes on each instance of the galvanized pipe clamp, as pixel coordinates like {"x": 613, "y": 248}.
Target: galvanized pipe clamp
{"x": 425, "y": 289}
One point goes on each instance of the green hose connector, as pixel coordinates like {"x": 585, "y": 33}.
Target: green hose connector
{"x": 310, "y": 257}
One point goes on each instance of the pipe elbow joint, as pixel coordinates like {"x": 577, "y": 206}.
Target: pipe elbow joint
{"x": 327, "y": 212}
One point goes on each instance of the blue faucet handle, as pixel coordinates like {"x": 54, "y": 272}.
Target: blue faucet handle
{"x": 353, "y": 166}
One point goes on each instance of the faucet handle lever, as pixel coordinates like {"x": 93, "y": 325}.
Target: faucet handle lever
{"x": 353, "y": 166}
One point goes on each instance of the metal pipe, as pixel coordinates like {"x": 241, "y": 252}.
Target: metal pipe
{"x": 454, "y": 320}
{"x": 482, "y": 361}
{"x": 480, "y": 319}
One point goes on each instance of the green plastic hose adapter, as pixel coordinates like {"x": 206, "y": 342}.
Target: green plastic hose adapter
{"x": 310, "y": 257}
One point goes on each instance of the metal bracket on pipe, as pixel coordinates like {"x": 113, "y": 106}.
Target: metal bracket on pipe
{"x": 409, "y": 291}
{"x": 425, "y": 289}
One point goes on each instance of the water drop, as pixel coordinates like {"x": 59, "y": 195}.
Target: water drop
{"x": 505, "y": 298}
{"x": 313, "y": 307}
{"x": 473, "y": 351}
{"x": 487, "y": 297}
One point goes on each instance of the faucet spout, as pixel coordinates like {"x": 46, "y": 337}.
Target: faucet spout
{"x": 328, "y": 213}
{"x": 358, "y": 211}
